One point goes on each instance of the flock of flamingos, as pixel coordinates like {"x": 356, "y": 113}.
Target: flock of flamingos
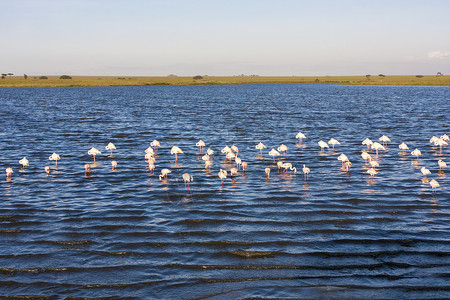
{"x": 232, "y": 154}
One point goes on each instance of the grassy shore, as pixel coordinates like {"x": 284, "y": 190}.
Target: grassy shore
{"x": 54, "y": 81}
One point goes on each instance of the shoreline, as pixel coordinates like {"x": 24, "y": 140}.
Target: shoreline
{"x": 98, "y": 81}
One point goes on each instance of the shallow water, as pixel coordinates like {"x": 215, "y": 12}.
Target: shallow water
{"x": 127, "y": 234}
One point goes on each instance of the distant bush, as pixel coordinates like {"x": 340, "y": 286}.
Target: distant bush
{"x": 65, "y": 77}
{"x": 419, "y": 76}
{"x": 198, "y": 77}
{"x": 43, "y": 77}
{"x": 381, "y": 75}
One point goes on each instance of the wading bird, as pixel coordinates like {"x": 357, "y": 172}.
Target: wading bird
{"x": 306, "y": 171}
{"x": 110, "y": 147}
{"x": 175, "y": 150}
{"x": 425, "y": 171}
{"x": 187, "y": 178}
{"x": 9, "y": 172}
{"x": 94, "y": 151}
{"x": 200, "y": 144}
{"x": 372, "y": 172}
{"x": 384, "y": 139}
{"x": 323, "y": 145}
{"x": 274, "y": 153}
{"x": 442, "y": 164}
{"x": 267, "y": 170}
{"x": 114, "y": 165}
{"x": 300, "y": 136}
{"x": 368, "y": 142}
{"x": 434, "y": 185}
{"x": 55, "y": 157}
{"x": 164, "y": 173}
{"x": 377, "y": 146}
{"x": 283, "y": 148}
{"x": 47, "y": 170}
{"x": 333, "y": 142}
{"x": 222, "y": 175}
{"x": 24, "y": 162}
{"x": 416, "y": 152}
{"x": 260, "y": 146}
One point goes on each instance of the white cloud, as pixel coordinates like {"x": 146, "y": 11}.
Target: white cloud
{"x": 438, "y": 54}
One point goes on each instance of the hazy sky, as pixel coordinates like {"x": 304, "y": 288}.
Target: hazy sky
{"x": 224, "y": 37}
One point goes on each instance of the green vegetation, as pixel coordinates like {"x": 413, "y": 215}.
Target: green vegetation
{"x": 65, "y": 77}
{"x": 424, "y": 80}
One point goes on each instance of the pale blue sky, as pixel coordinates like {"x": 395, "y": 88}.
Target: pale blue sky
{"x": 207, "y": 37}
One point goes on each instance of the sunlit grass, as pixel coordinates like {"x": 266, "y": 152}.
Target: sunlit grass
{"x": 53, "y": 81}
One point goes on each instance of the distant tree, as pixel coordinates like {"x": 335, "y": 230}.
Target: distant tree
{"x": 172, "y": 75}
{"x": 10, "y": 74}
{"x": 368, "y": 77}
{"x": 65, "y": 77}
{"x": 198, "y": 77}
{"x": 25, "y": 76}
{"x": 381, "y": 75}
{"x": 317, "y": 80}
{"x": 4, "y": 75}
{"x": 43, "y": 77}
{"x": 439, "y": 74}
{"x": 419, "y": 76}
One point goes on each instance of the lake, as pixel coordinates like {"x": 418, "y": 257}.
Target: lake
{"x": 124, "y": 233}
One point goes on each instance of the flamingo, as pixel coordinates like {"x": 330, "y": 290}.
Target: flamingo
{"x": 445, "y": 137}
{"x": 244, "y": 166}
{"x": 151, "y": 168}
{"x": 164, "y": 173}
{"x": 175, "y": 150}
{"x": 434, "y": 185}
{"x": 55, "y": 157}
{"x": 287, "y": 166}
{"x": 416, "y": 152}
{"x": 366, "y": 156}
{"x": 87, "y": 168}
{"x": 306, "y": 171}
{"x": 374, "y": 164}
{"x": 372, "y": 172}
{"x": 348, "y": 164}
{"x": 367, "y": 142}
{"x": 226, "y": 149}
{"x": 200, "y": 144}
{"x": 155, "y": 144}
{"x": 150, "y": 151}
{"x": 433, "y": 139}
{"x": 323, "y": 145}
{"x": 333, "y": 142}
{"x": 343, "y": 158}
{"x": 209, "y": 152}
{"x": 233, "y": 172}
{"x": 9, "y": 172}
{"x": 442, "y": 164}
{"x": 222, "y": 175}
{"x": 274, "y": 153}
{"x": 110, "y": 147}
{"x": 114, "y": 165}
{"x": 231, "y": 156}
{"x": 24, "y": 162}
{"x": 283, "y": 148}
{"x": 425, "y": 171}
{"x": 235, "y": 150}
{"x": 94, "y": 152}
{"x": 279, "y": 165}
{"x": 440, "y": 143}
{"x": 206, "y": 157}
{"x": 384, "y": 139}
{"x": 47, "y": 170}
{"x": 260, "y": 146}
{"x": 403, "y": 147}
{"x": 267, "y": 170}
{"x": 208, "y": 164}
{"x": 300, "y": 136}
{"x": 187, "y": 178}
{"x": 238, "y": 162}
{"x": 377, "y": 146}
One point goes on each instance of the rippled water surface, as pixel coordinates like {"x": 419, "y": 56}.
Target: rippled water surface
{"x": 127, "y": 234}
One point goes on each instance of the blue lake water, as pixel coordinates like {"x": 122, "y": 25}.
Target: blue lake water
{"x": 126, "y": 234}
